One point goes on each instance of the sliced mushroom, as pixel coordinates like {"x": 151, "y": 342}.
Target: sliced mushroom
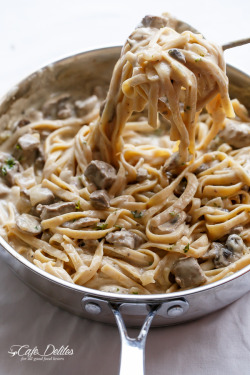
{"x": 28, "y": 149}
{"x": 221, "y": 255}
{"x": 9, "y": 169}
{"x": 102, "y": 174}
{"x": 124, "y": 238}
{"x": 172, "y": 164}
{"x": 188, "y": 273}
{"x": 56, "y": 209}
{"x": 236, "y": 245}
{"x": 23, "y": 204}
{"x": 153, "y": 21}
{"x": 100, "y": 199}
{"x": 83, "y": 107}
{"x": 141, "y": 174}
{"x": 29, "y": 142}
{"x": 179, "y": 190}
{"x": 175, "y": 219}
{"x": 83, "y": 222}
{"x": 177, "y": 55}
{"x": 55, "y": 105}
{"x": 40, "y": 158}
{"x": 224, "y": 254}
{"x": 28, "y": 224}
{"x": 90, "y": 245}
{"x": 236, "y": 134}
{"x": 40, "y": 195}
{"x": 46, "y": 236}
{"x": 22, "y": 122}
{"x": 64, "y": 110}
{"x": 202, "y": 168}
{"x": 237, "y": 230}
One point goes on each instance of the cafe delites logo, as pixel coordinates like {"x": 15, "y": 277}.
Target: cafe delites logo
{"x": 50, "y": 353}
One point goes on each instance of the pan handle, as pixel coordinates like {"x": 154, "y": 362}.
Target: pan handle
{"x": 133, "y": 349}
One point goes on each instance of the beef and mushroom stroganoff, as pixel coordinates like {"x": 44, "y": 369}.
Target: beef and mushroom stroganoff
{"x": 144, "y": 192}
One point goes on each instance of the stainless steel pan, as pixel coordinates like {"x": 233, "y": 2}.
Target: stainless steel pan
{"x": 83, "y": 72}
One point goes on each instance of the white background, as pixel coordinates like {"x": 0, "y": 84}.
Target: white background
{"x": 33, "y": 34}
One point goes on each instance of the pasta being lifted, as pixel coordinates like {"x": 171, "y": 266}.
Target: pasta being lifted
{"x": 147, "y": 192}
{"x": 174, "y": 74}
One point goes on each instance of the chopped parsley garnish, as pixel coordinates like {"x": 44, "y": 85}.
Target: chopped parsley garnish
{"x": 18, "y": 147}
{"x": 10, "y": 163}
{"x": 117, "y": 289}
{"x": 135, "y": 292}
{"x": 77, "y": 206}
{"x": 197, "y": 60}
{"x": 36, "y": 227}
{"x": 118, "y": 226}
{"x": 137, "y": 214}
{"x": 101, "y": 226}
{"x": 186, "y": 248}
{"x": 3, "y": 171}
{"x": 84, "y": 142}
{"x": 175, "y": 216}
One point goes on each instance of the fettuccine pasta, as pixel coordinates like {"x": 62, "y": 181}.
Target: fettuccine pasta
{"x": 145, "y": 192}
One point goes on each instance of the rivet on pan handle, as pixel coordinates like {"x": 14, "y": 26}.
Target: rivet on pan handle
{"x": 133, "y": 349}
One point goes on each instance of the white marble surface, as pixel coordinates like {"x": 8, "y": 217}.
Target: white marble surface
{"x": 33, "y": 34}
